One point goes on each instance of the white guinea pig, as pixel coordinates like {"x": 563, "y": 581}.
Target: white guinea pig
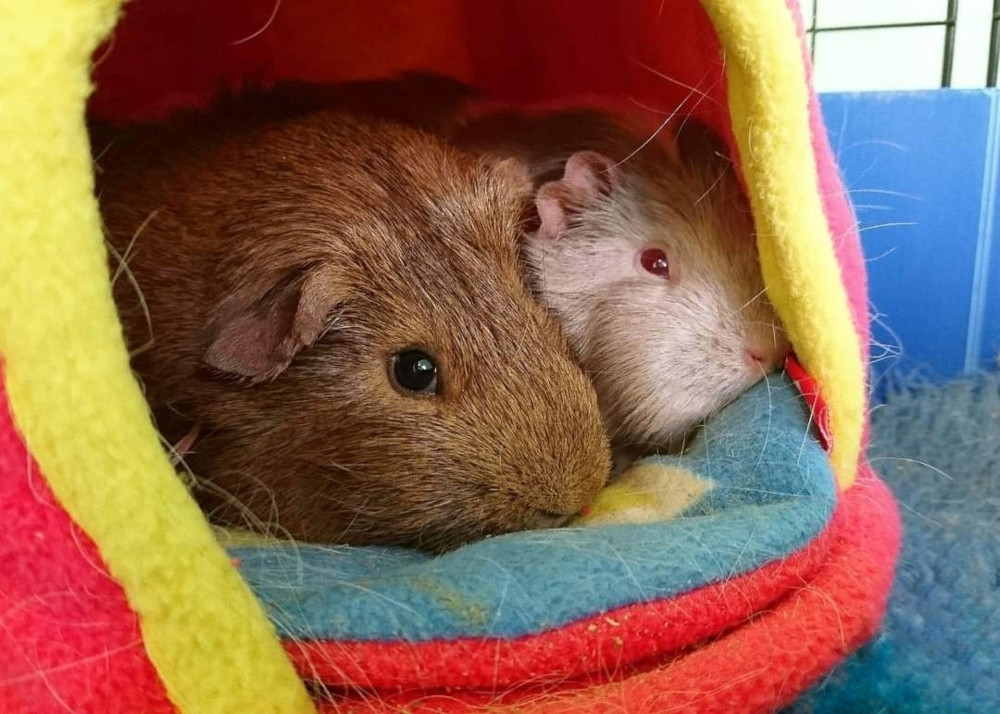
{"x": 649, "y": 259}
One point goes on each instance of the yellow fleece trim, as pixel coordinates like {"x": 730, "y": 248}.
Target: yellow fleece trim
{"x": 768, "y": 106}
{"x": 647, "y": 491}
{"x": 74, "y": 398}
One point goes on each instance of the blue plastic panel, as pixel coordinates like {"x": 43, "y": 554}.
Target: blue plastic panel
{"x": 922, "y": 174}
{"x": 990, "y": 338}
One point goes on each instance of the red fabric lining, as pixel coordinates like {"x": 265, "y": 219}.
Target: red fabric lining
{"x": 810, "y": 392}
{"x": 517, "y": 50}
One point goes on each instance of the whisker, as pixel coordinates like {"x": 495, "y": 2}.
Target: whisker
{"x": 677, "y": 82}
{"x": 262, "y": 30}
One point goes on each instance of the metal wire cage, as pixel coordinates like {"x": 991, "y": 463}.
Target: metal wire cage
{"x": 991, "y": 73}
{"x": 815, "y": 30}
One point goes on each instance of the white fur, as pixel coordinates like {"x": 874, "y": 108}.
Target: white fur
{"x": 663, "y": 354}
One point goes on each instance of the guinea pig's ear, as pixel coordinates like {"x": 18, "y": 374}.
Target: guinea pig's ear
{"x": 256, "y": 337}
{"x": 586, "y": 177}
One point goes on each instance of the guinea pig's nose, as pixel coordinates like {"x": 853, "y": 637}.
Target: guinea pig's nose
{"x": 762, "y": 357}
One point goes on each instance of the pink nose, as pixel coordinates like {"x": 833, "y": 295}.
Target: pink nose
{"x": 760, "y": 357}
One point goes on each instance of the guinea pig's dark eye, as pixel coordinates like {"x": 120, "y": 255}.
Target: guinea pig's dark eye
{"x": 414, "y": 371}
{"x": 654, "y": 260}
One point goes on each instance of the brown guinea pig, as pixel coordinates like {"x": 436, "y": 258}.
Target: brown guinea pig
{"x": 337, "y": 304}
{"x": 645, "y": 249}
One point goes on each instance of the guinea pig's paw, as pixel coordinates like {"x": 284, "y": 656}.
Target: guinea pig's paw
{"x": 648, "y": 491}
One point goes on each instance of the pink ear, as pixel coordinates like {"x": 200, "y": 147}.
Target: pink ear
{"x": 258, "y": 340}
{"x": 255, "y": 341}
{"x": 589, "y": 175}
{"x": 550, "y": 205}
{"x": 586, "y": 177}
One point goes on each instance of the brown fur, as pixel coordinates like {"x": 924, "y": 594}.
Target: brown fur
{"x": 357, "y": 239}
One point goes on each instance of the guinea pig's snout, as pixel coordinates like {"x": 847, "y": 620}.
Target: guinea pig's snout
{"x": 555, "y": 448}
{"x": 763, "y": 356}
{"x": 758, "y": 358}
{"x": 580, "y": 488}
{"x": 553, "y": 501}
{"x": 553, "y": 515}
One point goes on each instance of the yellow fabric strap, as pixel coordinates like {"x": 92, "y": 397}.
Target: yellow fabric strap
{"x": 768, "y": 105}
{"x": 75, "y": 400}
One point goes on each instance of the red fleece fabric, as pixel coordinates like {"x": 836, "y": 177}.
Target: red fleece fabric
{"x": 69, "y": 642}
{"x": 810, "y": 392}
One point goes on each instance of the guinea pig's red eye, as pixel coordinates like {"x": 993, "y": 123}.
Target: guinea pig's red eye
{"x": 654, "y": 260}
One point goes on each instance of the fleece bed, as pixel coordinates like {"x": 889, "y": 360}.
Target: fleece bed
{"x": 116, "y": 594}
